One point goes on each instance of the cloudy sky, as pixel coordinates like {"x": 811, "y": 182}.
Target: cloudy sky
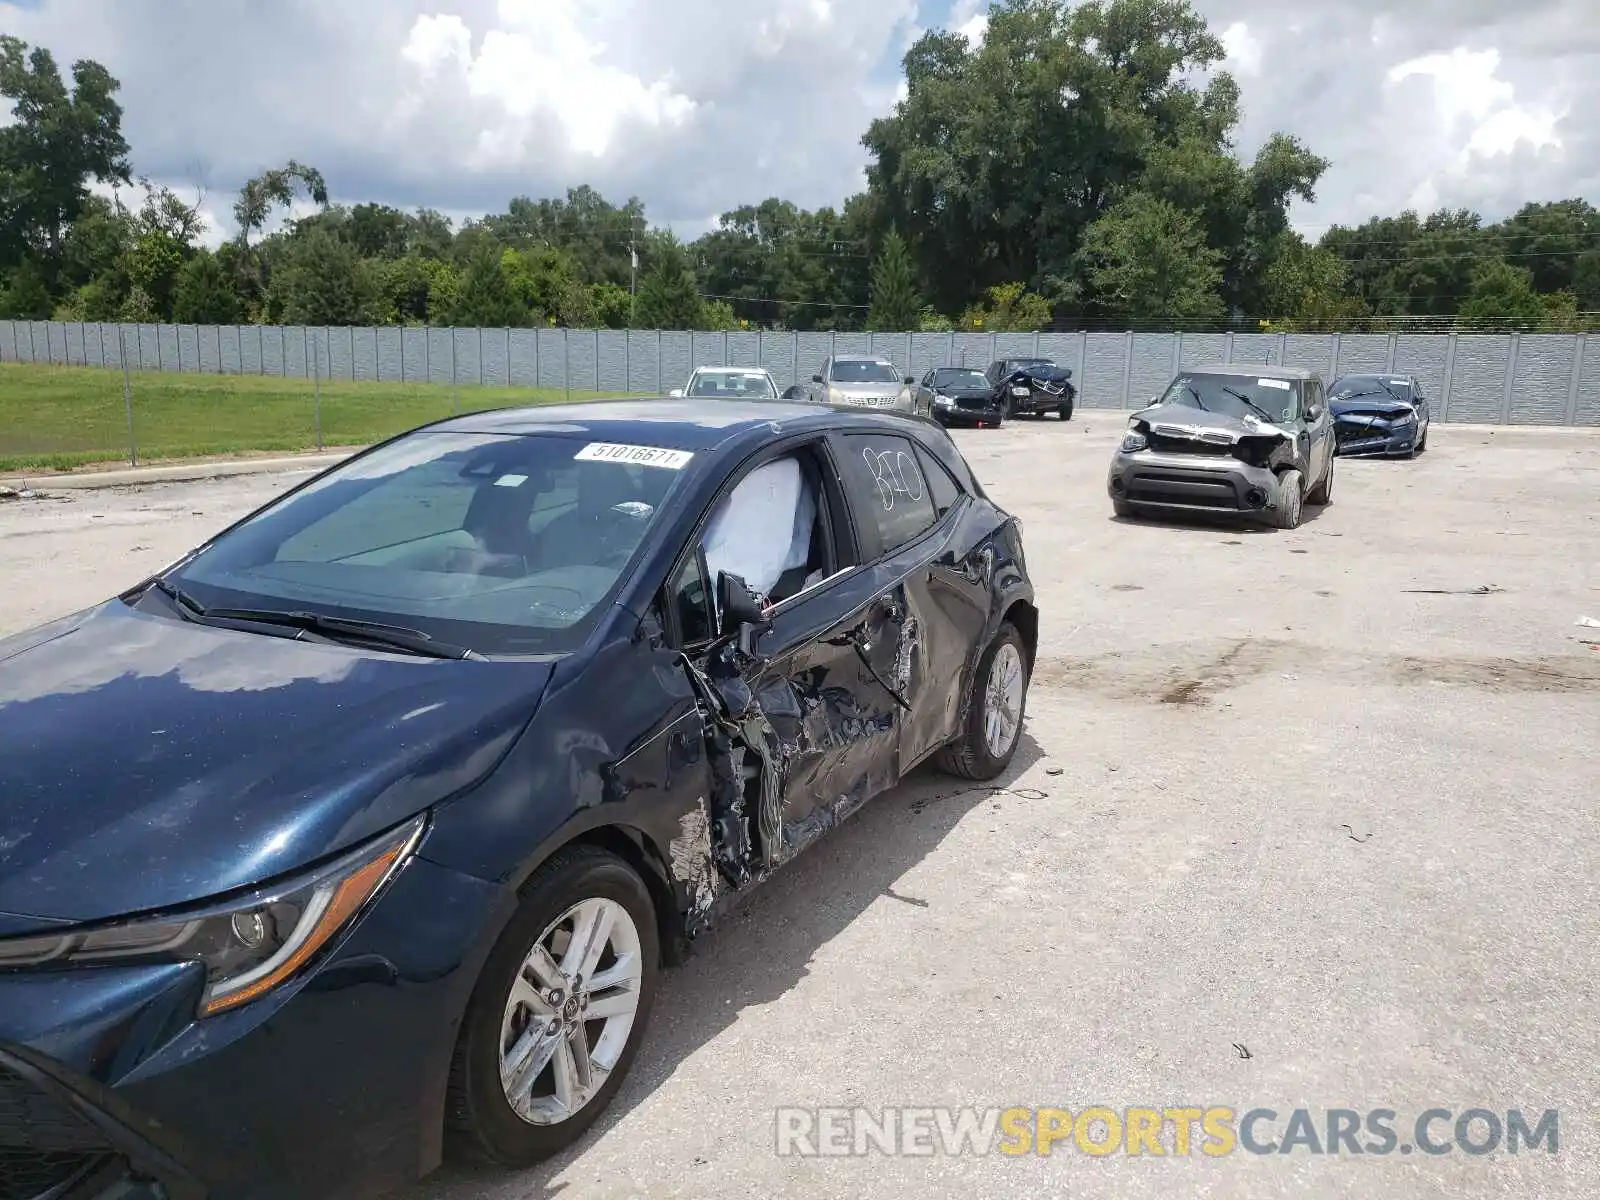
{"x": 699, "y": 105}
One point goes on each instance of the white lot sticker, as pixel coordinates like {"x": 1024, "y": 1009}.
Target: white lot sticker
{"x": 511, "y": 481}
{"x": 1279, "y": 384}
{"x": 643, "y": 456}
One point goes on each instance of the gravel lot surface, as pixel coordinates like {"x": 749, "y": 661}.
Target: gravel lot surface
{"x": 1326, "y": 798}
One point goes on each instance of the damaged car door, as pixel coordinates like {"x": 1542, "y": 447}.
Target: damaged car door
{"x": 932, "y": 565}
{"x": 802, "y": 725}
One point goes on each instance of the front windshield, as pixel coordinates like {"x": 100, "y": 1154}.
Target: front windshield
{"x": 950, "y": 377}
{"x": 505, "y": 544}
{"x": 733, "y": 385}
{"x": 856, "y": 370}
{"x": 1237, "y": 395}
{"x": 1352, "y": 386}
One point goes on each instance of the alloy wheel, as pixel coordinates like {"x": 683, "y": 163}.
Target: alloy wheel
{"x": 1002, "y": 705}
{"x": 571, "y": 1009}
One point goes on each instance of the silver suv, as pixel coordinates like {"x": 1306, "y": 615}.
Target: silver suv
{"x": 864, "y": 381}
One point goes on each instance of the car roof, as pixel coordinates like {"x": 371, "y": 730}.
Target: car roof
{"x": 871, "y": 358}
{"x": 731, "y": 371}
{"x": 674, "y": 424}
{"x": 1260, "y": 370}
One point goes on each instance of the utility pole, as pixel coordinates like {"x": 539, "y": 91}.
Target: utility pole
{"x": 633, "y": 274}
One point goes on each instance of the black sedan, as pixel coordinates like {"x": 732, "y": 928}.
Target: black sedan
{"x": 960, "y": 396}
{"x": 1379, "y": 415}
{"x": 366, "y": 828}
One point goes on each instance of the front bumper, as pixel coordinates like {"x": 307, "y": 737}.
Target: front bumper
{"x": 332, "y": 1086}
{"x": 1038, "y": 400}
{"x": 1378, "y": 441}
{"x": 966, "y": 414}
{"x": 1192, "y": 482}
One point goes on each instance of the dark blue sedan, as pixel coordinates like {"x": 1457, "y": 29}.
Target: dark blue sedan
{"x": 1384, "y": 416}
{"x": 367, "y": 827}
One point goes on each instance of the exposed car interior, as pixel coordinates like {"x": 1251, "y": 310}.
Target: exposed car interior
{"x": 767, "y": 530}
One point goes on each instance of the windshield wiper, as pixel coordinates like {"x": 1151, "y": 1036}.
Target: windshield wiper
{"x": 395, "y": 637}
{"x": 1242, "y": 398}
{"x": 1199, "y": 403}
{"x": 188, "y": 607}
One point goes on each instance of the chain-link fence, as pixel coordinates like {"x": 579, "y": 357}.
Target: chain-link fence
{"x": 158, "y": 391}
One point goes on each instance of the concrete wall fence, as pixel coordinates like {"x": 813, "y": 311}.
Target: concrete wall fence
{"x": 1508, "y": 379}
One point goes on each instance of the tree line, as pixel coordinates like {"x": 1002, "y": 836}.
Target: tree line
{"x": 1075, "y": 169}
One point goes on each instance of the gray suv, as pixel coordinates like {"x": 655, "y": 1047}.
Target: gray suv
{"x": 1240, "y": 438}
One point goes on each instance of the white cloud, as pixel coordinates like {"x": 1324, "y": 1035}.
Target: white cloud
{"x": 537, "y": 62}
{"x": 970, "y": 19}
{"x": 1244, "y": 49}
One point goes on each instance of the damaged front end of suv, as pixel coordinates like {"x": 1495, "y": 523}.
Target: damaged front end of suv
{"x": 1173, "y": 457}
{"x": 1251, "y": 441}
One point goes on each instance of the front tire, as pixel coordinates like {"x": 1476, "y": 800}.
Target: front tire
{"x": 1291, "y": 496}
{"x": 996, "y": 703}
{"x": 558, "y": 1013}
{"x": 1064, "y": 411}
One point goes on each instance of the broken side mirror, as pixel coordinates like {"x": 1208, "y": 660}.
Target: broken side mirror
{"x": 911, "y": 381}
{"x": 816, "y": 379}
{"x": 740, "y": 611}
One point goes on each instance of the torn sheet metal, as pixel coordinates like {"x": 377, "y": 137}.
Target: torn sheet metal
{"x": 691, "y": 861}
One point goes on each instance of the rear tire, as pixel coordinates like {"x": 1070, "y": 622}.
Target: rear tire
{"x": 997, "y": 700}
{"x": 1291, "y": 497}
{"x": 480, "y": 1122}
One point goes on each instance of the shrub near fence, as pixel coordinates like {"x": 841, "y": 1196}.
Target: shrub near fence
{"x": 1534, "y": 379}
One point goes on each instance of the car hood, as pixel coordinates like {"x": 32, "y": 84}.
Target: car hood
{"x": 1384, "y": 406}
{"x": 1040, "y": 374}
{"x": 966, "y": 393}
{"x": 1181, "y": 420}
{"x": 147, "y": 762}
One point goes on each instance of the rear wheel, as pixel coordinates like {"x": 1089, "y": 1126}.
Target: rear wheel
{"x": 1291, "y": 495}
{"x": 558, "y": 1013}
{"x": 995, "y": 707}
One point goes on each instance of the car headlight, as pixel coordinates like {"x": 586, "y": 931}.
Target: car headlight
{"x": 943, "y": 401}
{"x": 1133, "y": 440}
{"x": 1019, "y": 391}
{"x": 252, "y": 945}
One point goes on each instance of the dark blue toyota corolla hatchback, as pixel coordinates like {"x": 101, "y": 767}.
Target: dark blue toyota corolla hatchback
{"x": 368, "y": 825}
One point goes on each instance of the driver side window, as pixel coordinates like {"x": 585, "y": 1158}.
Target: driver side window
{"x": 773, "y": 529}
